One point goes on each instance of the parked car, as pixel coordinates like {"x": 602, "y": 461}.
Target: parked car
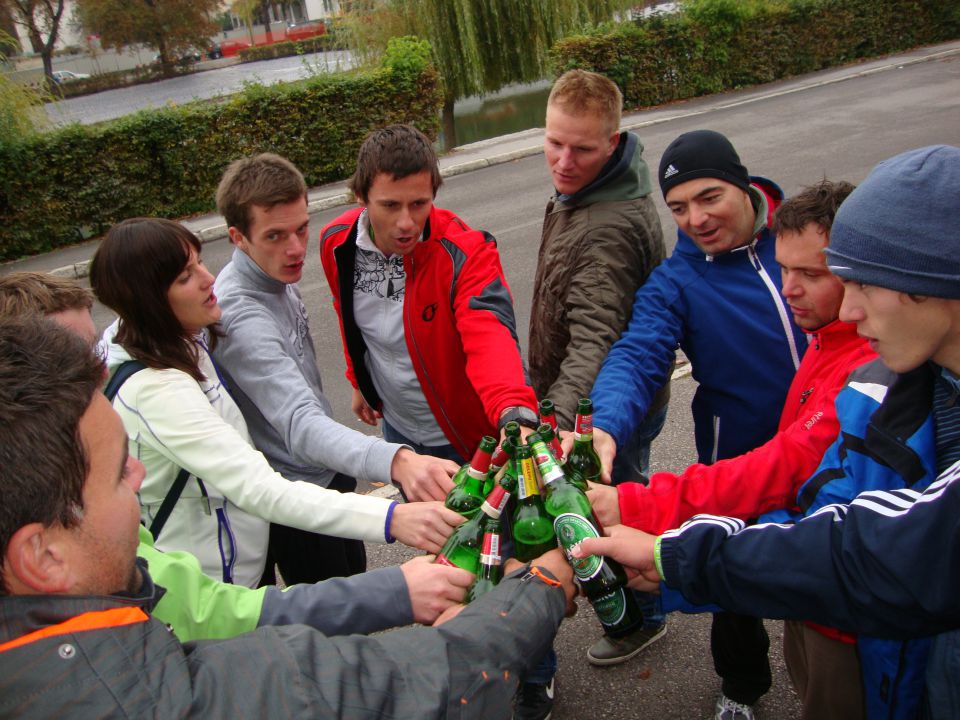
{"x": 62, "y": 76}
{"x": 187, "y": 57}
{"x": 214, "y": 51}
{"x": 230, "y": 47}
{"x": 304, "y": 30}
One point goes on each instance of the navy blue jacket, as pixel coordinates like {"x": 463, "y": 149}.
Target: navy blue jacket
{"x": 728, "y": 316}
{"x": 886, "y": 442}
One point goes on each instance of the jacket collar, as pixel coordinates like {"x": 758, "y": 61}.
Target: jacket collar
{"x": 253, "y": 276}
{"x": 22, "y": 614}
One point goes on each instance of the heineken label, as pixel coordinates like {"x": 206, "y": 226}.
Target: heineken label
{"x": 570, "y": 529}
{"x": 611, "y": 608}
{"x": 491, "y": 549}
{"x": 549, "y": 469}
{"x": 528, "y": 484}
{"x": 583, "y": 429}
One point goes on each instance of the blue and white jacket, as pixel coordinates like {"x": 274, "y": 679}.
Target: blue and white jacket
{"x": 727, "y": 314}
{"x": 886, "y": 442}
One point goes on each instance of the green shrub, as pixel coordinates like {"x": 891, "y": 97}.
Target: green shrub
{"x": 72, "y": 184}
{"x": 321, "y": 43}
{"x": 716, "y": 45}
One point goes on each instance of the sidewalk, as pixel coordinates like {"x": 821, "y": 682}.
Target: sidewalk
{"x": 74, "y": 261}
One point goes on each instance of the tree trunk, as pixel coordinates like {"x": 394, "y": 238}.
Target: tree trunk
{"x": 448, "y": 127}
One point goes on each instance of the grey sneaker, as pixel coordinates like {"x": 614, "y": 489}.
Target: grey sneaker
{"x": 727, "y": 709}
{"x": 607, "y": 651}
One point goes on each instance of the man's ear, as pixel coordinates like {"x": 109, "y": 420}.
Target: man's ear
{"x": 236, "y": 237}
{"x": 35, "y": 562}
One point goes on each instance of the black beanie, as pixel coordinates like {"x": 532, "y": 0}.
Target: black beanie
{"x": 701, "y": 154}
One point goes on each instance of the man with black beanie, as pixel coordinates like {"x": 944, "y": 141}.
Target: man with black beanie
{"x": 718, "y": 298}
{"x": 884, "y": 563}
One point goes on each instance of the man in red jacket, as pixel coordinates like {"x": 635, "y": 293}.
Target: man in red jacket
{"x": 426, "y": 316}
{"x": 769, "y": 477}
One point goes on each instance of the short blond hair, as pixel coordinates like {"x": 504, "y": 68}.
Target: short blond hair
{"x": 35, "y": 293}
{"x": 580, "y": 91}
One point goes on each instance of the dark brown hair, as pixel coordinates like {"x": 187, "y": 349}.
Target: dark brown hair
{"x": 814, "y": 204}
{"x": 264, "y": 180}
{"x": 23, "y": 293}
{"x": 48, "y": 377}
{"x": 398, "y": 151}
{"x": 131, "y": 273}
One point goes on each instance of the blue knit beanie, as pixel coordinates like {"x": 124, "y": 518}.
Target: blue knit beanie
{"x": 897, "y": 230}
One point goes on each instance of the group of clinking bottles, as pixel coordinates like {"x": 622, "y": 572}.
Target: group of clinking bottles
{"x": 551, "y": 508}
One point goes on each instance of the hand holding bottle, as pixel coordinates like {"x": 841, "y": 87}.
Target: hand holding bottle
{"x": 423, "y": 525}
{"x": 433, "y": 588}
{"x": 631, "y": 548}
{"x": 605, "y": 501}
{"x": 423, "y": 477}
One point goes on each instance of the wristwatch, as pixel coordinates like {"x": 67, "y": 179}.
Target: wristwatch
{"x": 523, "y": 415}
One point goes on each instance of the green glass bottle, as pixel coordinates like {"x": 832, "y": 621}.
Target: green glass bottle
{"x": 490, "y": 561}
{"x": 462, "y": 548}
{"x": 583, "y": 463}
{"x": 467, "y": 497}
{"x": 532, "y": 528}
{"x": 603, "y": 579}
{"x": 548, "y": 416}
{"x": 497, "y": 461}
{"x": 509, "y": 474}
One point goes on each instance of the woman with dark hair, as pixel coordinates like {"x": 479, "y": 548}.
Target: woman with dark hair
{"x": 178, "y": 414}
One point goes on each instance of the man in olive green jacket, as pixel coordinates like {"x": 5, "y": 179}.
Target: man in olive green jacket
{"x": 601, "y": 239}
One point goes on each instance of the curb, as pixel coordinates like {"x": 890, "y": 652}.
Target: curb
{"x": 77, "y": 271}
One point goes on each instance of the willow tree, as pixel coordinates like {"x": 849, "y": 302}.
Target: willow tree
{"x": 478, "y": 45}
{"x": 21, "y": 107}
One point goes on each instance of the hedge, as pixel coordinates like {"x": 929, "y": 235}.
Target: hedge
{"x": 288, "y": 48}
{"x": 73, "y": 184}
{"x": 716, "y": 45}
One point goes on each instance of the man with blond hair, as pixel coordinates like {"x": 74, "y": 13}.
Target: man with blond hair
{"x": 601, "y": 239}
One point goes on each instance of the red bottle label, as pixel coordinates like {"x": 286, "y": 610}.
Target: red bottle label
{"x": 584, "y": 425}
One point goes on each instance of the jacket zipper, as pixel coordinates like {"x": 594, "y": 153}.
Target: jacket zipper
{"x": 778, "y": 303}
{"x": 423, "y": 368}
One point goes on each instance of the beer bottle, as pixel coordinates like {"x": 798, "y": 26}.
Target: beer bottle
{"x": 490, "y": 560}
{"x": 550, "y": 438}
{"x": 467, "y": 497}
{"x": 512, "y": 431}
{"x": 548, "y": 415}
{"x": 509, "y": 474}
{"x": 583, "y": 463}
{"x": 603, "y": 579}
{"x": 497, "y": 461}
{"x": 532, "y": 528}
{"x": 462, "y": 548}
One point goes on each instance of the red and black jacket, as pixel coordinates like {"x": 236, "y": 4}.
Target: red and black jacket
{"x": 458, "y": 319}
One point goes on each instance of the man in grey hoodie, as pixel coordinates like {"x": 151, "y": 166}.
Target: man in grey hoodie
{"x": 270, "y": 364}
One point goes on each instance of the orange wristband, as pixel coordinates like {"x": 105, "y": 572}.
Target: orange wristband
{"x": 535, "y": 571}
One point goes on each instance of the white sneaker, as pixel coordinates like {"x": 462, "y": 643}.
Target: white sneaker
{"x": 727, "y": 709}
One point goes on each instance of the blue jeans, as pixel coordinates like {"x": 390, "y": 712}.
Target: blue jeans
{"x": 632, "y": 463}
{"x": 633, "y": 459}
{"x": 447, "y": 452}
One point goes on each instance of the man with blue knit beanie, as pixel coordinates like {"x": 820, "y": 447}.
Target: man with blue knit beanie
{"x": 886, "y": 564}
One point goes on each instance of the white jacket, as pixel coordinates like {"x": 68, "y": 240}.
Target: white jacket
{"x": 172, "y": 422}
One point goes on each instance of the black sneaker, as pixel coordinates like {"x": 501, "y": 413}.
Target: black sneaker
{"x": 534, "y": 701}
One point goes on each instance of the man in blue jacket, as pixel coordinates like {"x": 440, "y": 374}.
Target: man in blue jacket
{"x": 884, "y": 565}
{"x": 718, "y": 298}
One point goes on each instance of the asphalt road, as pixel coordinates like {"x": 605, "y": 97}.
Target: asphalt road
{"x": 839, "y": 131}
